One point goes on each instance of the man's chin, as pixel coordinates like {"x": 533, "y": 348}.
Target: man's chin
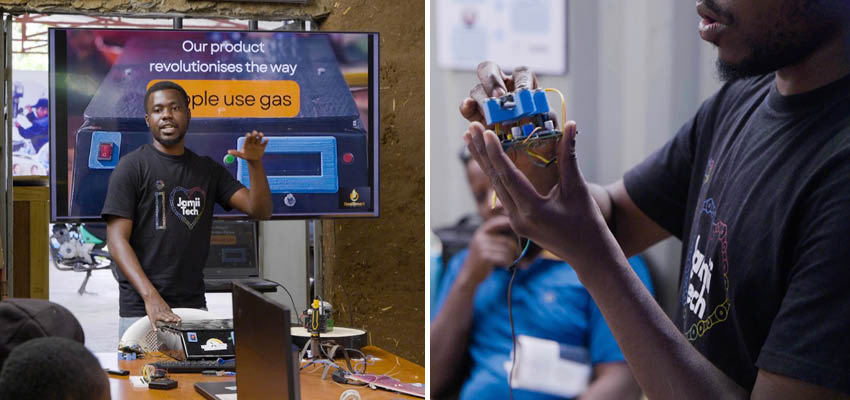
{"x": 169, "y": 142}
{"x": 728, "y": 71}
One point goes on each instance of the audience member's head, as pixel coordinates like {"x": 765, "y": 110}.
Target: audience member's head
{"x": 53, "y": 368}
{"x": 25, "y": 319}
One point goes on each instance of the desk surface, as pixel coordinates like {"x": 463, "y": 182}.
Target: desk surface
{"x": 312, "y": 385}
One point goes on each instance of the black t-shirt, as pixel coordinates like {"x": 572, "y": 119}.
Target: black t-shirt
{"x": 169, "y": 200}
{"x": 757, "y": 186}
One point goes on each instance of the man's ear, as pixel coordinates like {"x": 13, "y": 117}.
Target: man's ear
{"x": 146, "y": 120}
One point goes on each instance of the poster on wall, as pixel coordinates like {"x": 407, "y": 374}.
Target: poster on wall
{"x": 508, "y": 32}
{"x": 30, "y": 107}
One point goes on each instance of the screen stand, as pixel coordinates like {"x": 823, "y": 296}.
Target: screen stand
{"x": 314, "y": 258}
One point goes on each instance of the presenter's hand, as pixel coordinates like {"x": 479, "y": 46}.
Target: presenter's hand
{"x": 566, "y": 221}
{"x": 253, "y": 148}
{"x": 493, "y": 244}
{"x": 158, "y": 310}
{"x": 494, "y": 83}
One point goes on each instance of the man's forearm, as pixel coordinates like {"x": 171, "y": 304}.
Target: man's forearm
{"x": 663, "y": 362}
{"x": 612, "y": 380}
{"x": 259, "y": 194}
{"x": 449, "y": 337}
{"x": 123, "y": 254}
{"x": 606, "y": 206}
{"x": 633, "y": 230}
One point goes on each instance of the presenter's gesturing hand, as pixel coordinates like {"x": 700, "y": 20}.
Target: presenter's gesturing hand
{"x": 565, "y": 221}
{"x": 253, "y": 147}
{"x": 256, "y": 201}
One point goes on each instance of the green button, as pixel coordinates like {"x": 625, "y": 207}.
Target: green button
{"x": 229, "y": 159}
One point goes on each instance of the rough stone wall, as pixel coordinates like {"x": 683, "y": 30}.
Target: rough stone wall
{"x": 221, "y": 9}
{"x": 373, "y": 268}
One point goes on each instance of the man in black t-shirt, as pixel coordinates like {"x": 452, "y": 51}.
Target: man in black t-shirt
{"x": 159, "y": 208}
{"x": 756, "y": 185}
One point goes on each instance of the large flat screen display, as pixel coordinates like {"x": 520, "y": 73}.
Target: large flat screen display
{"x": 313, "y": 94}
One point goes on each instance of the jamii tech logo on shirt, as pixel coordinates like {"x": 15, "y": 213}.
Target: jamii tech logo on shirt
{"x": 699, "y": 311}
{"x": 188, "y": 204}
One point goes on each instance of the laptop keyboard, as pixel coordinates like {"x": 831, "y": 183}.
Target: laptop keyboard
{"x": 194, "y": 366}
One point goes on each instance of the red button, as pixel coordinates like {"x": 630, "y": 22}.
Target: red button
{"x": 348, "y": 158}
{"x": 104, "y": 151}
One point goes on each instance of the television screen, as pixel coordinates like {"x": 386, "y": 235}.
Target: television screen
{"x": 313, "y": 94}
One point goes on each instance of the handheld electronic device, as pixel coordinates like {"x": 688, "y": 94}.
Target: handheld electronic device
{"x": 522, "y": 121}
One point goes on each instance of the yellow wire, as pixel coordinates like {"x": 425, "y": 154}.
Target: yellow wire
{"x": 493, "y": 201}
{"x": 563, "y": 106}
{"x": 537, "y": 156}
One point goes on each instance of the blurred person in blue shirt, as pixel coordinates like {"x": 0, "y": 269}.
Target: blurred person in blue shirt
{"x": 553, "y": 314}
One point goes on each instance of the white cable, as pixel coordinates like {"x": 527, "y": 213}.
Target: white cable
{"x": 350, "y": 394}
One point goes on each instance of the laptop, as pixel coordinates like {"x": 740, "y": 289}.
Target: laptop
{"x": 234, "y": 256}
{"x": 266, "y": 366}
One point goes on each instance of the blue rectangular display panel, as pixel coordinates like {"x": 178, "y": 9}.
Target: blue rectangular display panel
{"x": 285, "y": 152}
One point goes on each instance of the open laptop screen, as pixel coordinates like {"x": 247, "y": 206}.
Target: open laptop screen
{"x": 265, "y": 363}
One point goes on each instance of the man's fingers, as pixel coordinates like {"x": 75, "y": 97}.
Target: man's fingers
{"x": 497, "y": 224}
{"x": 475, "y": 143}
{"x": 504, "y": 258}
{"x": 469, "y": 110}
{"x": 497, "y": 253}
{"x": 568, "y": 161}
{"x": 253, "y": 137}
{"x": 508, "y": 244}
{"x": 499, "y": 171}
{"x": 477, "y": 147}
{"x": 492, "y": 79}
{"x": 513, "y": 187}
{"x": 524, "y": 78}
{"x": 479, "y": 94}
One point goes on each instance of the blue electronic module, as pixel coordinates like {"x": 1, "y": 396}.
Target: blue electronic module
{"x": 521, "y": 117}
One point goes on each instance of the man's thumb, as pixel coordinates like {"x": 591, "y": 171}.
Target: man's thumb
{"x": 567, "y": 160}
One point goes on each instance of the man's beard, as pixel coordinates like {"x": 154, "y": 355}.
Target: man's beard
{"x": 805, "y": 28}
{"x": 769, "y": 56}
{"x": 169, "y": 142}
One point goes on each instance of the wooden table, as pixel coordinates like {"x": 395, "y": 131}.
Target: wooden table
{"x": 312, "y": 385}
